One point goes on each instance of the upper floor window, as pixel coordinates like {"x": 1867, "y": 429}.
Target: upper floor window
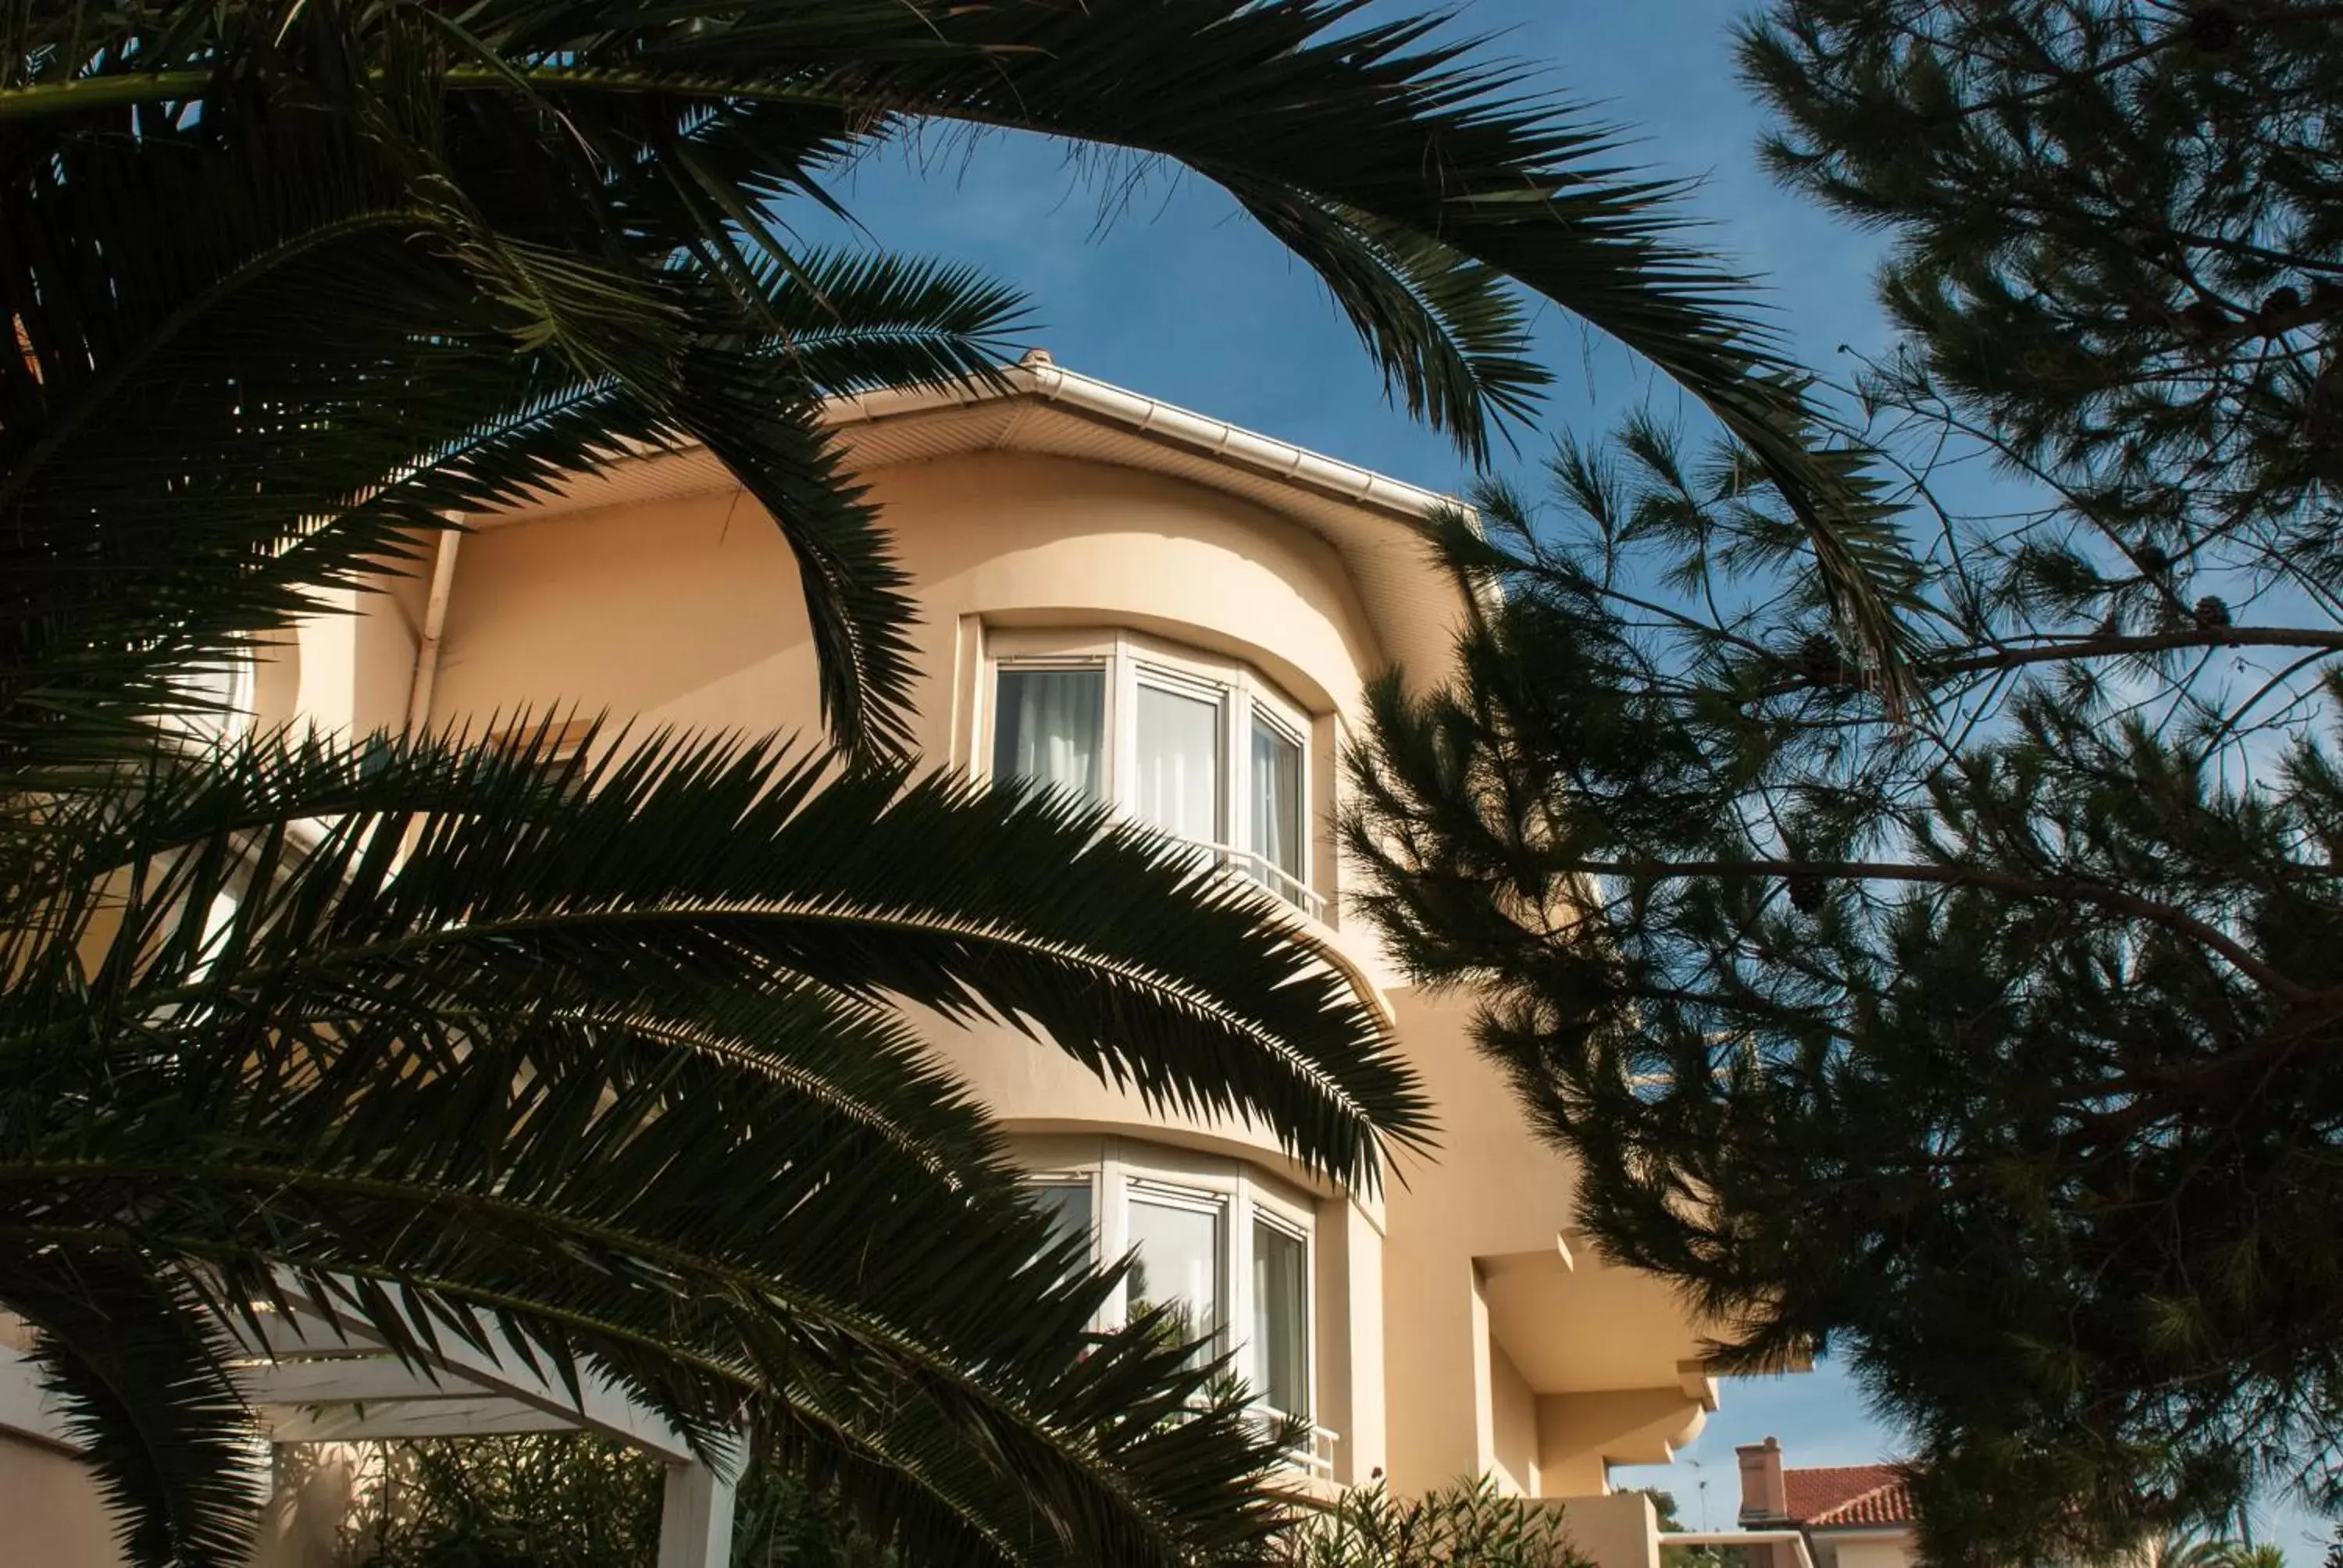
{"x": 1205, "y": 751}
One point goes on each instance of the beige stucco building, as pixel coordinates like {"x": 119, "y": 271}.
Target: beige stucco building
{"x": 1178, "y": 616}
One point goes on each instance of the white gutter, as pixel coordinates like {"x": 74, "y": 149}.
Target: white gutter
{"x": 1037, "y": 375}
{"x": 435, "y": 623}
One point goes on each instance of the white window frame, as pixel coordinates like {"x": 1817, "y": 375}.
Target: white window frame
{"x": 1197, "y": 1198}
{"x": 1131, "y": 660}
{"x": 1289, "y": 722}
{"x": 1125, "y": 1169}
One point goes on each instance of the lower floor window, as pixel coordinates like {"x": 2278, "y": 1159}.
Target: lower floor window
{"x": 1229, "y": 1260}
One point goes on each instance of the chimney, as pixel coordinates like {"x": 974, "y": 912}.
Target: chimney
{"x": 1765, "y": 1498}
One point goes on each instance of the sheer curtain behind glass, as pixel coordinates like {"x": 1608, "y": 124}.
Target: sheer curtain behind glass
{"x": 1050, "y": 726}
{"x": 1281, "y": 1318}
{"x": 1277, "y": 806}
{"x": 1180, "y": 763}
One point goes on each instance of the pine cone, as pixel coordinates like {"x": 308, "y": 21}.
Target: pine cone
{"x": 1818, "y": 658}
{"x": 2212, "y": 612}
{"x": 2152, "y": 559}
{"x": 2203, "y": 320}
{"x": 2281, "y": 311}
{"x": 2213, "y": 29}
{"x": 1806, "y": 893}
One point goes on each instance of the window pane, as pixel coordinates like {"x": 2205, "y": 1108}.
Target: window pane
{"x": 1068, "y": 1206}
{"x": 1277, "y": 805}
{"x": 1176, "y": 1263}
{"x": 1281, "y": 1318}
{"x": 1050, "y": 726}
{"x": 1180, "y": 764}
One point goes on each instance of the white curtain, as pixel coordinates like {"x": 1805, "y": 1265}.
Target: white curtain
{"x": 1050, "y": 726}
{"x": 1180, "y": 764}
{"x": 1277, "y": 803}
{"x": 1281, "y": 1318}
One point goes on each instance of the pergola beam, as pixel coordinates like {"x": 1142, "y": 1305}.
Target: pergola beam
{"x": 603, "y": 1406}
{"x": 399, "y": 1419}
{"x": 345, "y": 1380}
{"x": 324, "y": 1377}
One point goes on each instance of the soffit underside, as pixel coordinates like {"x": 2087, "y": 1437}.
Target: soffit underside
{"x": 1581, "y": 1324}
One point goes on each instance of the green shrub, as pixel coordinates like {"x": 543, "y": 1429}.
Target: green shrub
{"x": 1467, "y": 1524}
{"x": 576, "y": 1501}
{"x": 568, "y": 1501}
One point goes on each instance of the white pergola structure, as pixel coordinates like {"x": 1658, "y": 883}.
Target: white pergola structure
{"x": 315, "y": 1376}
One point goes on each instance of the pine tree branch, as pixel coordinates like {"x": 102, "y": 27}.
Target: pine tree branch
{"x": 2066, "y": 79}
{"x": 2064, "y": 889}
{"x": 2109, "y": 648}
{"x": 2148, "y": 642}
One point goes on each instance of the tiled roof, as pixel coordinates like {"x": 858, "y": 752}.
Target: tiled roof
{"x": 1847, "y": 1495}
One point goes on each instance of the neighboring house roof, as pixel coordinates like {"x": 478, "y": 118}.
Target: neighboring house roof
{"x": 1847, "y": 1495}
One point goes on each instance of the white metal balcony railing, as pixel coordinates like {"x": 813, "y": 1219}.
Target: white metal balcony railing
{"x": 1310, "y": 1450}
{"x": 1306, "y": 1448}
{"x": 1258, "y": 867}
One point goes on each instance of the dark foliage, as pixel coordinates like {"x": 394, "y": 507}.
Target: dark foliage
{"x": 1992, "y": 1044}
{"x": 557, "y": 1502}
{"x": 1464, "y": 1525}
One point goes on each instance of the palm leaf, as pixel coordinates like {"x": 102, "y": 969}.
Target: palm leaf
{"x": 1409, "y": 172}
{"x": 604, "y": 1058}
{"x": 139, "y": 1367}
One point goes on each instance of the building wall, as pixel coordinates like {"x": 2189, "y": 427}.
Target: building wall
{"x": 55, "y": 1517}
{"x": 1864, "y": 1549}
{"x": 1613, "y": 1530}
{"x": 1512, "y": 1426}
{"x": 688, "y": 609}
{"x": 688, "y": 612}
{"x": 1459, "y": 1331}
{"x": 1488, "y": 1299}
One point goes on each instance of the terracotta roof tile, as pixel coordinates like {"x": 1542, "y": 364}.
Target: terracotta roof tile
{"x": 1847, "y": 1495}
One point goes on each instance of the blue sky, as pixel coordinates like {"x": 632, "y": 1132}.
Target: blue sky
{"x": 1178, "y": 296}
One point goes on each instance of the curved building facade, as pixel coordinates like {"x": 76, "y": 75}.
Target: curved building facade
{"x": 1179, "y": 617}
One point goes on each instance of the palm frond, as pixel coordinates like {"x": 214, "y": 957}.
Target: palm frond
{"x": 1450, "y": 335}
{"x": 139, "y": 1366}
{"x": 603, "y": 1059}
{"x": 414, "y": 359}
{"x": 728, "y": 861}
{"x": 1412, "y": 172}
